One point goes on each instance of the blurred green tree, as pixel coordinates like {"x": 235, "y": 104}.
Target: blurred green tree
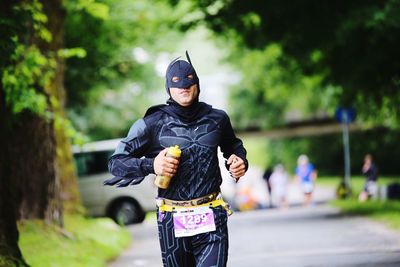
{"x": 351, "y": 44}
{"x": 113, "y": 84}
{"x": 273, "y": 90}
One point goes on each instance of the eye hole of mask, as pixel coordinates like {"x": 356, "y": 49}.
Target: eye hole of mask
{"x": 175, "y": 79}
{"x": 190, "y": 76}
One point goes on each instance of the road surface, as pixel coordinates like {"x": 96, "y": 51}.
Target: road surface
{"x": 299, "y": 236}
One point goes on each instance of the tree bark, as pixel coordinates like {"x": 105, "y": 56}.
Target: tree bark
{"x": 64, "y": 161}
{"x": 9, "y": 250}
{"x": 34, "y": 146}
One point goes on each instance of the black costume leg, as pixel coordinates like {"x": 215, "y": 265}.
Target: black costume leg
{"x": 211, "y": 249}
{"x": 205, "y": 250}
{"x": 175, "y": 252}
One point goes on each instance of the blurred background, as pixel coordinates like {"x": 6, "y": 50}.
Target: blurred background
{"x": 75, "y": 72}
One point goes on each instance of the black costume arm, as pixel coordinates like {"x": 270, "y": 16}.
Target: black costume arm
{"x": 230, "y": 144}
{"x": 372, "y": 173}
{"x": 127, "y": 164}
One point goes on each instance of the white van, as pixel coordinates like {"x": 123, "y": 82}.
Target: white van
{"x": 125, "y": 205}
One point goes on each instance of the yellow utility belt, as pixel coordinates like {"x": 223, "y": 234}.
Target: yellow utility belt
{"x": 215, "y": 203}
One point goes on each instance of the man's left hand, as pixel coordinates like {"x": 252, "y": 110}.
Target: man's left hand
{"x": 237, "y": 168}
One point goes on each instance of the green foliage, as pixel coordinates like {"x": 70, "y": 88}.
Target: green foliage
{"x": 108, "y": 42}
{"x": 111, "y": 116}
{"x": 357, "y": 182}
{"x": 258, "y": 153}
{"x": 11, "y": 262}
{"x": 385, "y": 211}
{"x": 76, "y": 137}
{"x": 349, "y": 44}
{"x": 29, "y": 71}
{"x": 262, "y": 84}
{"x": 72, "y": 52}
{"x": 326, "y": 151}
{"x": 34, "y": 11}
{"x": 111, "y": 86}
{"x": 273, "y": 89}
{"x": 265, "y": 153}
{"x": 91, "y": 7}
{"x": 83, "y": 242}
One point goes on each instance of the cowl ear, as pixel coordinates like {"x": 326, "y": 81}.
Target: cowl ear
{"x": 188, "y": 58}
{"x": 190, "y": 62}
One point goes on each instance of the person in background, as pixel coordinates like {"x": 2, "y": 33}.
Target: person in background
{"x": 279, "y": 182}
{"x": 370, "y": 172}
{"x": 246, "y": 199}
{"x": 306, "y": 174}
{"x": 266, "y": 176}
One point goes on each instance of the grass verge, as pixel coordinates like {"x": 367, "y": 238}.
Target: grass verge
{"x": 386, "y": 211}
{"x": 357, "y": 182}
{"x": 84, "y": 242}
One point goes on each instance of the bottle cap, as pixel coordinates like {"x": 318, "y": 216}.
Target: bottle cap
{"x": 174, "y": 151}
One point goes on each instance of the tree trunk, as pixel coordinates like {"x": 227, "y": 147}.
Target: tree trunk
{"x": 32, "y": 157}
{"x": 34, "y": 142}
{"x": 10, "y": 253}
{"x": 64, "y": 190}
{"x": 27, "y": 169}
{"x": 64, "y": 162}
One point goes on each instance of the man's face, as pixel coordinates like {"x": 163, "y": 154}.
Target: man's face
{"x": 184, "y": 96}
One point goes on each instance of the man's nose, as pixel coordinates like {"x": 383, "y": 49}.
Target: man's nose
{"x": 186, "y": 83}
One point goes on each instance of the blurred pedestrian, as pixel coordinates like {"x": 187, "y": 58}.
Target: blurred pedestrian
{"x": 370, "y": 172}
{"x": 266, "y": 176}
{"x": 279, "y": 182}
{"x": 246, "y": 199}
{"x": 306, "y": 174}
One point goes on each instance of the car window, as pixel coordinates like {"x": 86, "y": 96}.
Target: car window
{"x": 88, "y": 163}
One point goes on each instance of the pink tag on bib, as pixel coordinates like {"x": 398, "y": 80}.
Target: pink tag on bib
{"x": 193, "y": 221}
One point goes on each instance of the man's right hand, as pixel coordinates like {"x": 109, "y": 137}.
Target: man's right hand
{"x": 164, "y": 165}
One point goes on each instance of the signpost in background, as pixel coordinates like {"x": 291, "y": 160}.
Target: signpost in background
{"x": 346, "y": 116}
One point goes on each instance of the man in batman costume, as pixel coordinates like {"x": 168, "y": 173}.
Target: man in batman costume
{"x": 198, "y": 129}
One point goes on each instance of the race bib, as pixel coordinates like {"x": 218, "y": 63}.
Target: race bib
{"x": 193, "y": 221}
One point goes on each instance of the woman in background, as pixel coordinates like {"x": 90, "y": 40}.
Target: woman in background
{"x": 306, "y": 175}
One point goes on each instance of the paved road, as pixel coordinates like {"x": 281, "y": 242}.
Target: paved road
{"x": 299, "y": 236}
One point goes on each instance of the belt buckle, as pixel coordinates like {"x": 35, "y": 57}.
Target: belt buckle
{"x": 201, "y": 201}
{"x": 205, "y": 199}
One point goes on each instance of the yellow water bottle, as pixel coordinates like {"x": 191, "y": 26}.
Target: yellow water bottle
{"x": 163, "y": 181}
